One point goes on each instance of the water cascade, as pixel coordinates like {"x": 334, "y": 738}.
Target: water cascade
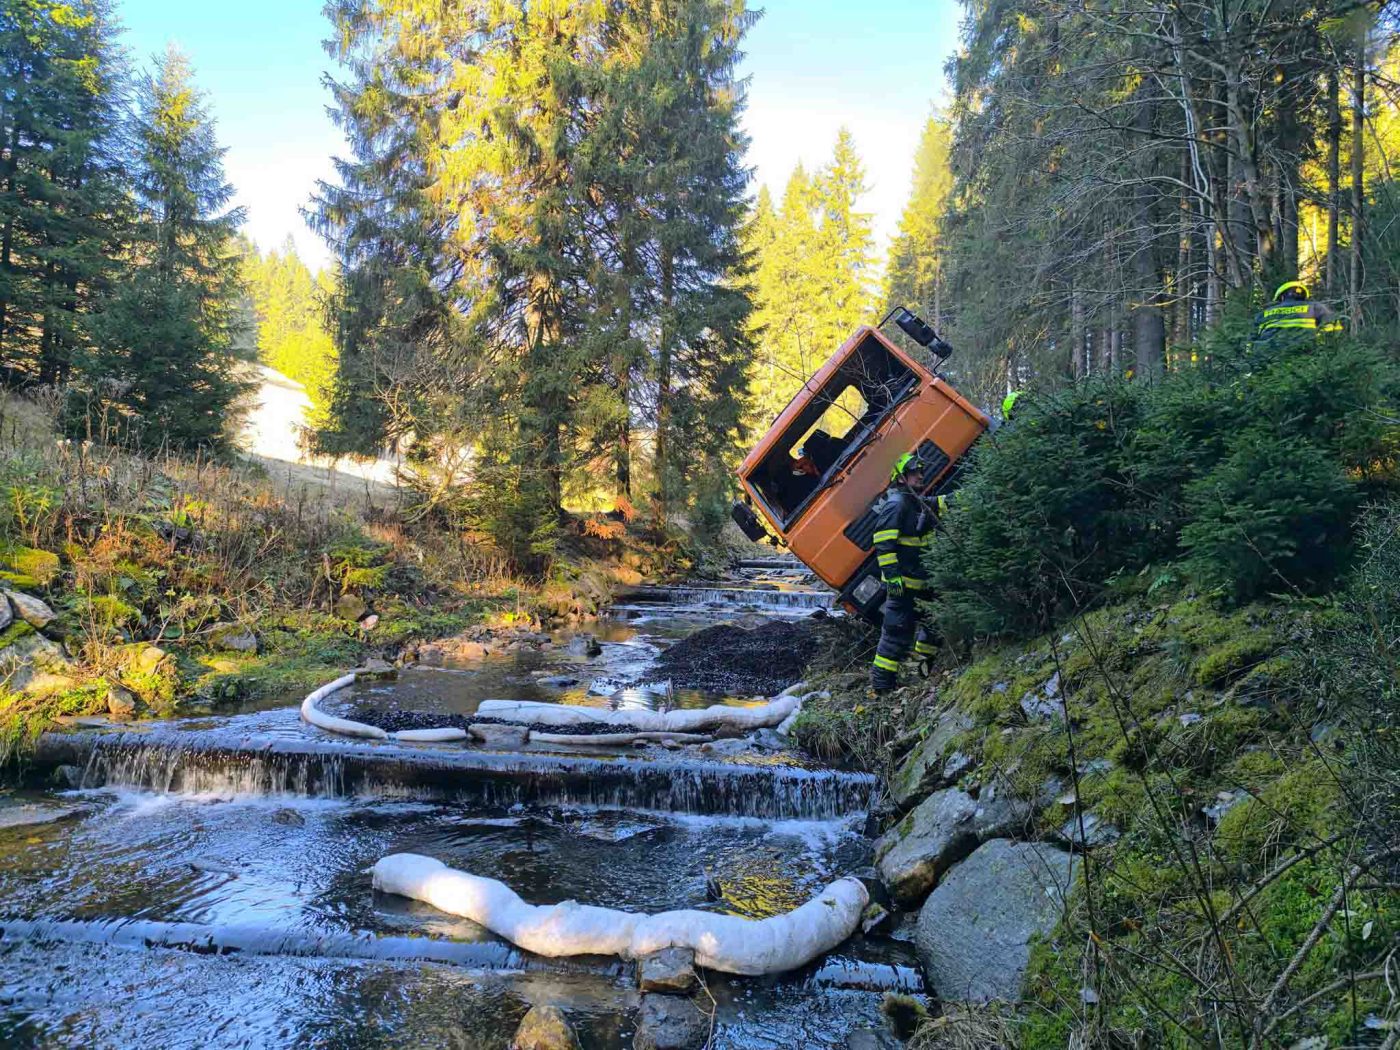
{"x": 219, "y": 762}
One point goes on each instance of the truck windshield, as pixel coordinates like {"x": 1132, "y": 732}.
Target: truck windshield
{"x": 835, "y": 421}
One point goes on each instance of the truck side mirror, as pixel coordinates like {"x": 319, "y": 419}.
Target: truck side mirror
{"x": 748, "y": 522}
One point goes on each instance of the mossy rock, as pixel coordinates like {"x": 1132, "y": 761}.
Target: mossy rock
{"x": 18, "y": 629}
{"x": 32, "y": 563}
{"x": 19, "y": 581}
{"x": 151, "y": 673}
{"x": 1299, "y": 803}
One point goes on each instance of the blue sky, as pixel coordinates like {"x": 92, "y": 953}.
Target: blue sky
{"x": 876, "y": 67}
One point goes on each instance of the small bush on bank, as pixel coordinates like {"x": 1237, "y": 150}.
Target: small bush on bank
{"x": 1245, "y": 467}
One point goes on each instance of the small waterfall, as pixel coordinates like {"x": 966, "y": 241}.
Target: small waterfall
{"x": 722, "y": 597}
{"x": 211, "y": 761}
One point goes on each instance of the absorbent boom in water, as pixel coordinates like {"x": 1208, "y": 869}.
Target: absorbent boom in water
{"x": 721, "y": 942}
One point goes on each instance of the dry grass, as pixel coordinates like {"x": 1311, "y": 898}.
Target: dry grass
{"x": 985, "y": 1027}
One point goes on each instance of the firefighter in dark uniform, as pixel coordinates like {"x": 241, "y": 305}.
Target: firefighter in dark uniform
{"x": 901, "y": 535}
{"x": 1294, "y": 310}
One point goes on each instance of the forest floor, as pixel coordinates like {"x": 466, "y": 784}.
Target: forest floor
{"x": 171, "y": 584}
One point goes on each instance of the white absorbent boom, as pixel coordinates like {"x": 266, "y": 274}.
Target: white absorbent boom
{"x": 721, "y": 942}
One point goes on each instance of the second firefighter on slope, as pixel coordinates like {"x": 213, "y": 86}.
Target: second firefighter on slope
{"x": 901, "y": 534}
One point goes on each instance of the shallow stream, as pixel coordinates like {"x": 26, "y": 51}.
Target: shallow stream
{"x": 207, "y": 885}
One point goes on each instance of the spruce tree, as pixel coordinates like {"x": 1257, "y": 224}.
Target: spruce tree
{"x": 166, "y": 355}
{"x": 62, "y": 200}
{"x": 811, "y": 285}
{"x": 668, "y": 152}
{"x": 288, "y": 305}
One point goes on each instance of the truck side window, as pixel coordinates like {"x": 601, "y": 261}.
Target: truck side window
{"x": 834, "y": 420}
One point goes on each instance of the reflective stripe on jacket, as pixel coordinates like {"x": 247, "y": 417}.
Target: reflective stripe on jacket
{"x": 1287, "y": 315}
{"x": 901, "y": 534}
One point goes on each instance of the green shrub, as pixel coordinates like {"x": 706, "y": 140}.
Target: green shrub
{"x": 1244, "y": 469}
{"x": 1048, "y": 513}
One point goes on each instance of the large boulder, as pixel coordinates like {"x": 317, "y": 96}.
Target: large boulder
{"x": 975, "y": 929}
{"x": 545, "y": 1028}
{"x": 31, "y": 610}
{"x": 928, "y": 766}
{"x": 939, "y": 832}
{"x": 669, "y": 1022}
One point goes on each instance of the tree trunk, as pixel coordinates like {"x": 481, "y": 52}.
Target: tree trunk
{"x": 1334, "y": 177}
{"x": 1181, "y": 333}
{"x": 1358, "y": 176}
{"x": 1076, "y": 334}
{"x": 1149, "y": 327}
{"x": 663, "y": 387}
{"x": 1255, "y": 207}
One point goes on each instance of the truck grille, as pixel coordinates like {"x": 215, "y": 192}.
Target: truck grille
{"x": 861, "y": 532}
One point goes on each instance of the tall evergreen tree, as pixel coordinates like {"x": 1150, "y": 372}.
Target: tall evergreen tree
{"x": 914, "y": 277}
{"x": 166, "y": 342}
{"x": 667, "y": 151}
{"x": 538, "y": 237}
{"x": 289, "y": 315}
{"x": 811, "y": 283}
{"x": 62, "y": 201}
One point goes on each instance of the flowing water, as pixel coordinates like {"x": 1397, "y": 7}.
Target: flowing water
{"x": 206, "y": 884}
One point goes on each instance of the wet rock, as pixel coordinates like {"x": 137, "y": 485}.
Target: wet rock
{"x": 1044, "y": 704}
{"x": 7, "y": 614}
{"x": 1094, "y": 833}
{"x": 68, "y": 776}
{"x": 938, "y": 833}
{"x": 233, "y": 638}
{"x": 289, "y": 817}
{"x": 668, "y": 1022}
{"x": 351, "y": 607}
{"x": 671, "y": 970}
{"x": 121, "y": 703}
{"x": 925, "y": 768}
{"x": 31, "y": 610}
{"x": 468, "y": 651}
{"x": 870, "y": 1039}
{"x": 584, "y": 645}
{"x": 498, "y": 735}
{"x": 729, "y": 748}
{"x": 545, "y": 1028}
{"x": 975, "y": 929}
{"x": 378, "y": 667}
{"x": 430, "y": 656}
{"x": 558, "y": 681}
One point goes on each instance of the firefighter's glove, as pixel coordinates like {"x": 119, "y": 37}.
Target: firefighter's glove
{"x": 894, "y": 586}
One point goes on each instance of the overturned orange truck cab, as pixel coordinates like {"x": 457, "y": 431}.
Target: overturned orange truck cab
{"x": 818, "y": 474}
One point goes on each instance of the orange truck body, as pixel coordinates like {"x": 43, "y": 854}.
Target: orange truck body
{"x": 831, "y": 527}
